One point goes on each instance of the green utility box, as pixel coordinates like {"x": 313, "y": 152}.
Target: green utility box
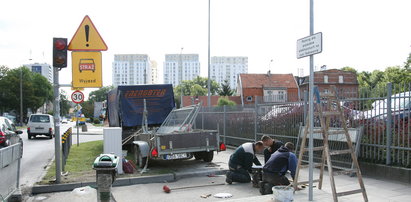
{"x": 106, "y": 171}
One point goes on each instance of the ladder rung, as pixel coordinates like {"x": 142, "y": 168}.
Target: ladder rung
{"x": 327, "y": 95}
{"x": 344, "y": 172}
{"x": 314, "y": 149}
{"x": 345, "y": 193}
{"x": 336, "y": 132}
{"x": 306, "y": 182}
{"x": 337, "y": 152}
{"x": 316, "y": 165}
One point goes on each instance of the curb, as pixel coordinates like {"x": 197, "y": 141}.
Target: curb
{"x": 41, "y": 189}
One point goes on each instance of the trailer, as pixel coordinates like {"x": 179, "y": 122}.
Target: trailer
{"x": 154, "y": 129}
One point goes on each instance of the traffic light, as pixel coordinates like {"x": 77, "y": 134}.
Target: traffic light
{"x": 60, "y": 52}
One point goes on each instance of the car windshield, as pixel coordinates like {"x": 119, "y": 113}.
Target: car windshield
{"x": 40, "y": 119}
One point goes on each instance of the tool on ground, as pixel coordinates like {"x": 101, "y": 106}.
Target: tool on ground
{"x": 168, "y": 189}
{"x": 205, "y": 195}
{"x": 332, "y": 106}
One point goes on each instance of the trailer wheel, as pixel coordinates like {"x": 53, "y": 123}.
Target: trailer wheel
{"x": 208, "y": 156}
{"x": 198, "y": 155}
{"x": 140, "y": 161}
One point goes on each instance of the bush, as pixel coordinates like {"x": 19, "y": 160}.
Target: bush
{"x": 225, "y": 101}
{"x": 96, "y": 121}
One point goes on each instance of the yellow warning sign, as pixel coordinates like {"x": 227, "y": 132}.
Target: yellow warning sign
{"x": 87, "y": 38}
{"x": 87, "y": 70}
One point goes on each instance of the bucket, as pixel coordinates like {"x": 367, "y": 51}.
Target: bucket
{"x": 283, "y": 193}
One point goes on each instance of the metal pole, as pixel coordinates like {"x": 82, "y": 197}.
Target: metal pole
{"x": 21, "y": 95}
{"x": 255, "y": 119}
{"x": 77, "y": 124}
{"x": 224, "y": 122}
{"x": 311, "y": 110}
{"x": 56, "y": 110}
{"x": 209, "y": 79}
{"x": 305, "y": 106}
{"x": 180, "y": 65}
{"x": 389, "y": 121}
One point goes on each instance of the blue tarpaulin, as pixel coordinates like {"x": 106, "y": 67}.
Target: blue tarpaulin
{"x": 159, "y": 101}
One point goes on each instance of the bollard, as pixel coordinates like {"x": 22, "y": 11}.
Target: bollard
{"x": 106, "y": 171}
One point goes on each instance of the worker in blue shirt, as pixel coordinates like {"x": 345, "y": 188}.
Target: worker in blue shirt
{"x": 274, "y": 170}
{"x": 271, "y": 146}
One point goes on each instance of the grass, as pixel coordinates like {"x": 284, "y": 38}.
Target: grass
{"x": 21, "y": 127}
{"x": 98, "y": 124}
{"x": 79, "y": 162}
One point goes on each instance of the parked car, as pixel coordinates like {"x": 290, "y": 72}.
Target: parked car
{"x": 9, "y": 135}
{"x": 64, "y": 121}
{"x": 40, "y": 124}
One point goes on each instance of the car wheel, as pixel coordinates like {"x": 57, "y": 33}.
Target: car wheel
{"x": 208, "y": 156}
{"x": 140, "y": 161}
{"x": 198, "y": 155}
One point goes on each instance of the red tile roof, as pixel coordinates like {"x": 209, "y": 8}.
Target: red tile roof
{"x": 272, "y": 80}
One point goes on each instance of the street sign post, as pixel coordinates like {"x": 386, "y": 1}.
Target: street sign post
{"x": 310, "y": 45}
{"x": 77, "y": 97}
{"x": 87, "y": 69}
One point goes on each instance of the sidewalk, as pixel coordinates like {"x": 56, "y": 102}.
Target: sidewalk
{"x": 377, "y": 190}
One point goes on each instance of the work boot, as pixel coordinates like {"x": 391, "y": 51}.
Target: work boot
{"x": 228, "y": 179}
{"x": 268, "y": 188}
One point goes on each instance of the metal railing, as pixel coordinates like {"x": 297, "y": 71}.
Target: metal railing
{"x": 386, "y": 134}
{"x": 9, "y": 170}
{"x": 66, "y": 142}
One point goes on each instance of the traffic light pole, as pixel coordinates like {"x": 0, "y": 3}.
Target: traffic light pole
{"x": 56, "y": 111}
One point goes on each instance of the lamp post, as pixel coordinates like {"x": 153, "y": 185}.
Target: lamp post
{"x": 208, "y": 80}
{"x": 180, "y": 74}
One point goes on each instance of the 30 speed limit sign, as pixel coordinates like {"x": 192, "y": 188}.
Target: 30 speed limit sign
{"x": 77, "y": 97}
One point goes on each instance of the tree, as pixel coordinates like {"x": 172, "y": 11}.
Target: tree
{"x": 100, "y": 94}
{"x": 3, "y": 71}
{"x": 407, "y": 64}
{"x": 225, "y": 101}
{"x": 64, "y": 104}
{"x": 349, "y": 69}
{"x": 88, "y": 108}
{"x": 226, "y": 89}
{"x": 36, "y": 90}
{"x": 196, "y": 87}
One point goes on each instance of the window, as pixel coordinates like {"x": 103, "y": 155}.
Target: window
{"x": 340, "y": 79}
{"x": 325, "y": 79}
{"x": 249, "y": 98}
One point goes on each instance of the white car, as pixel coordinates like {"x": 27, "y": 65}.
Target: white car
{"x": 40, "y": 124}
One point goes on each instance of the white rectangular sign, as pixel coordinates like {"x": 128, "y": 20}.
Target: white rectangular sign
{"x": 310, "y": 45}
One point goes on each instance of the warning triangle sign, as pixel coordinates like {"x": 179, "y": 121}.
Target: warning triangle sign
{"x": 87, "y": 38}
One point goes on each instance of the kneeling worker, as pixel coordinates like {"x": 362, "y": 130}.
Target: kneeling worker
{"x": 277, "y": 166}
{"x": 272, "y": 146}
{"x": 241, "y": 162}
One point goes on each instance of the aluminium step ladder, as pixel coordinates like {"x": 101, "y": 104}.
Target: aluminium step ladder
{"x": 332, "y": 106}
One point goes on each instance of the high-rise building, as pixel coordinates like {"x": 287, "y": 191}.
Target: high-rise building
{"x": 42, "y": 68}
{"x": 228, "y": 68}
{"x": 180, "y": 67}
{"x": 131, "y": 69}
{"x": 154, "y": 72}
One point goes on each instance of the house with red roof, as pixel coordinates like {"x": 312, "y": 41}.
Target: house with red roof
{"x": 267, "y": 88}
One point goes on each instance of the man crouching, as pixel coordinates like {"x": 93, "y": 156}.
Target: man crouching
{"x": 277, "y": 166}
{"x": 241, "y": 162}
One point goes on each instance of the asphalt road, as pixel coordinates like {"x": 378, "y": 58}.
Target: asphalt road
{"x": 37, "y": 154}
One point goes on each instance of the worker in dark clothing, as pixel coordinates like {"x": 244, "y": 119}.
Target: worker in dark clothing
{"x": 241, "y": 161}
{"x": 271, "y": 146}
{"x": 277, "y": 166}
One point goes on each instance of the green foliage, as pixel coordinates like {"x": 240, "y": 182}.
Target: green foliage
{"x": 3, "y": 71}
{"x": 225, "y": 89}
{"x": 88, "y": 108}
{"x": 407, "y": 64}
{"x": 100, "y": 94}
{"x": 64, "y": 104}
{"x": 36, "y": 89}
{"x": 96, "y": 121}
{"x": 225, "y": 101}
{"x": 196, "y": 87}
{"x": 349, "y": 69}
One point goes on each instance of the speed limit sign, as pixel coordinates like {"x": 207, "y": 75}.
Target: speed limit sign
{"x": 77, "y": 97}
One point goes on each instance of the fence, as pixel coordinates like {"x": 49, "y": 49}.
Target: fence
{"x": 66, "y": 145}
{"x": 9, "y": 170}
{"x": 386, "y": 130}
